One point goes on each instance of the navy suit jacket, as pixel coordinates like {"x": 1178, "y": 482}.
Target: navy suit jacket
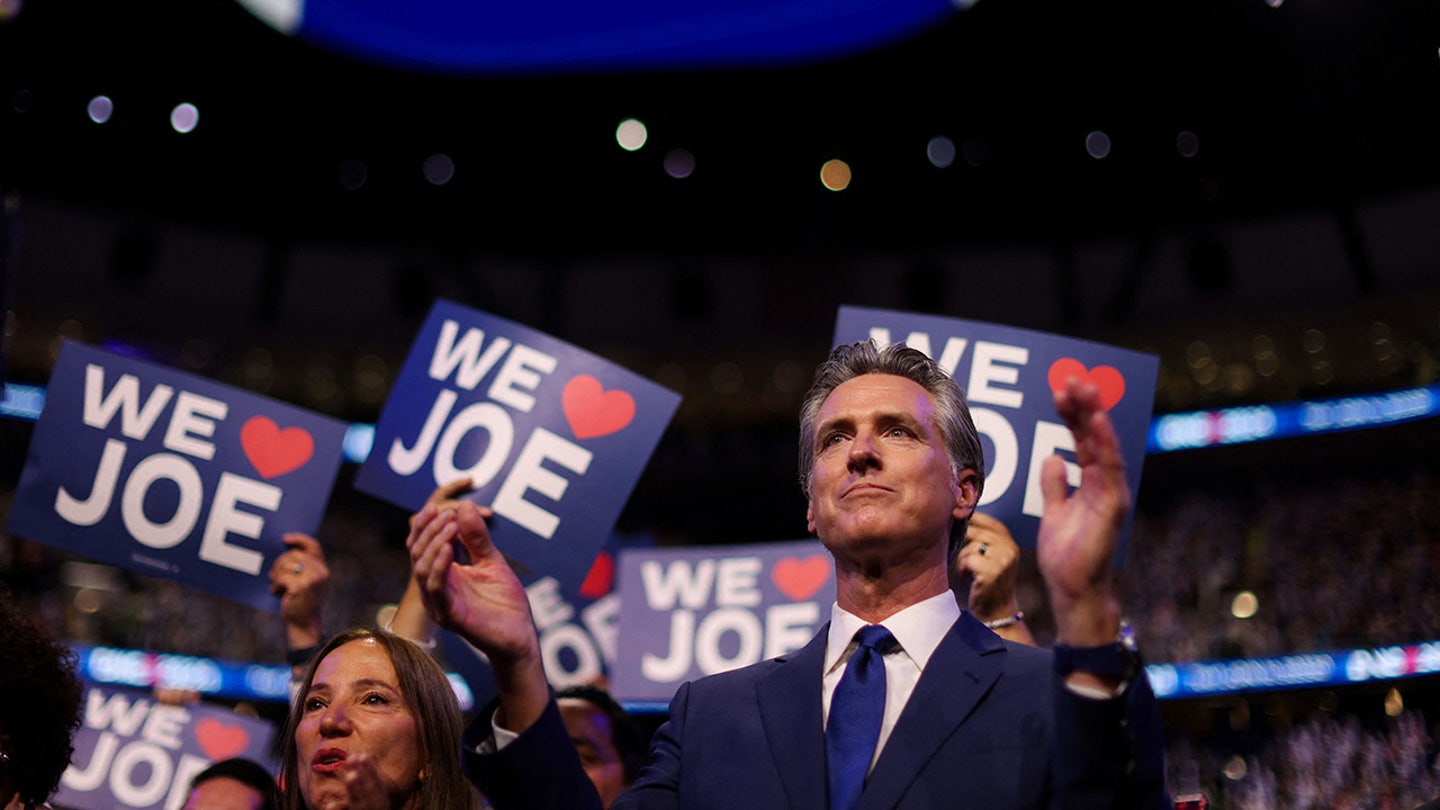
{"x": 989, "y": 725}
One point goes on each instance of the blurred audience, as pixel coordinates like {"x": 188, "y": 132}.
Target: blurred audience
{"x": 1325, "y": 763}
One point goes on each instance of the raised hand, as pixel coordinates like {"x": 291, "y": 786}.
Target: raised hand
{"x": 482, "y": 600}
{"x": 1079, "y": 530}
{"x": 990, "y": 561}
{"x": 300, "y": 577}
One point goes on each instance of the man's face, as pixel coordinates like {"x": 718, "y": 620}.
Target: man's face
{"x": 224, "y": 793}
{"x": 591, "y": 733}
{"x": 882, "y": 488}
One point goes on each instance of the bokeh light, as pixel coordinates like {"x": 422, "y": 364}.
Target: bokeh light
{"x": 1187, "y": 144}
{"x": 184, "y": 118}
{"x": 679, "y": 163}
{"x": 100, "y": 109}
{"x": 941, "y": 151}
{"x": 1097, "y": 144}
{"x": 631, "y": 134}
{"x": 439, "y": 169}
{"x": 1244, "y": 605}
{"x": 835, "y": 175}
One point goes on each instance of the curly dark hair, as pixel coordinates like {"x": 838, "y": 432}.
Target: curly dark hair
{"x": 41, "y": 708}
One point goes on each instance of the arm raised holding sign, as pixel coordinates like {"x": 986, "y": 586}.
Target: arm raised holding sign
{"x": 484, "y": 602}
{"x": 990, "y": 560}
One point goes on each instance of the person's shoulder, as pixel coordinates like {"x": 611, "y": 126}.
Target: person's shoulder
{"x": 1029, "y": 657}
{"x": 741, "y": 676}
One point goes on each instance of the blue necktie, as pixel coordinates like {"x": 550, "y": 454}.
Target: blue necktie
{"x": 856, "y": 709}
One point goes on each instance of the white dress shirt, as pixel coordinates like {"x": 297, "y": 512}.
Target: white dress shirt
{"x": 918, "y": 629}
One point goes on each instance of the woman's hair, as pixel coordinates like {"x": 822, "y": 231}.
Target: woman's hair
{"x": 39, "y": 705}
{"x": 430, "y": 698}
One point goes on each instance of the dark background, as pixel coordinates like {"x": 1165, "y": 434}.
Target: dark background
{"x": 1292, "y": 254}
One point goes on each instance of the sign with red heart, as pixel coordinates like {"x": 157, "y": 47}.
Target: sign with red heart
{"x": 1010, "y": 377}
{"x": 273, "y": 451}
{"x": 173, "y": 475}
{"x": 552, "y": 437}
{"x": 592, "y": 411}
{"x": 799, "y": 578}
{"x": 1107, "y": 379}
{"x": 220, "y": 739}
{"x": 133, "y": 752}
{"x": 691, "y": 612}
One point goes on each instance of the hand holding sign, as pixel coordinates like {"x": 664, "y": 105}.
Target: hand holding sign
{"x": 989, "y": 560}
{"x": 300, "y": 578}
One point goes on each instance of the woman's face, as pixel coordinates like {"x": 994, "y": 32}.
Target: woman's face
{"x": 356, "y": 726}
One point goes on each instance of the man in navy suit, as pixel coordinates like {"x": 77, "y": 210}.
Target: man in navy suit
{"x": 892, "y": 468}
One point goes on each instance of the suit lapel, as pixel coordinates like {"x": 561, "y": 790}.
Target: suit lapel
{"x": 959, "y": 673}
{"x": 789, "y": 702}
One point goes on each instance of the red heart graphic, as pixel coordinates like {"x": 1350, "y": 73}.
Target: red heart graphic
{"x": 274, "y": 451}
{"x": 592, "y": 411}
{"x": 221, "y": 740}
{"x": 800, "y": 579}
{"x": 1105, "y": 378}
{"x": 602, "y": 575}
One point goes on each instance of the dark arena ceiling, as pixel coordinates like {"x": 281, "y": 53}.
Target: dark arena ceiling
{"x": 1234, "y": 185}
{"x": 1279, "y": 105}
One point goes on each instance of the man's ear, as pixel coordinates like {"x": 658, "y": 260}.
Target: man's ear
{"x": 967, "y": 494}
{"x": 810, "y": 516}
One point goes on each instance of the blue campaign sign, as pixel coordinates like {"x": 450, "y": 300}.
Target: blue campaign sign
{"x": 133, "y": 752}
{"x": 686, "y": 613}
{"x": 577, "y": 627}
{"x": 1009, "y": 376}
{"x": 172, "y": 475}
{"x": 552, "y": 437}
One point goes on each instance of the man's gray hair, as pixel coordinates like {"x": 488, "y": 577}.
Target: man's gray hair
{"x": 952, "y": 415}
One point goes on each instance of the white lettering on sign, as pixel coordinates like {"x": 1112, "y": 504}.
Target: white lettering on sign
{"x": 487, "y": 430}
{"x": 135, "y": 753}
{"x": 192, "y": 424}
{"x": 736, "y": 632}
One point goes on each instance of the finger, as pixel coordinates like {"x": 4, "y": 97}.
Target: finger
{"x": 432, "y": 570}
{"x": 436, "y": 537}
{"x": 444, "y": 495}
{"x": 422, "y": 542}
{"x": 303, "y": 543}
{"x": 1053, "y": 486}
{"x": 474, "y": 532}
{"x": 419, "y": 521}
{"x": 984, "y": 521}
{"x": 361, "y": 776}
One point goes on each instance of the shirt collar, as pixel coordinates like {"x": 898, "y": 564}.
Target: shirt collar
{"x": 918, "y": 629}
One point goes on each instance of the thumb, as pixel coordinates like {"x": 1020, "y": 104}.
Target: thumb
{"x": 474, "y": 533}
{"x": 1053, "y": 486}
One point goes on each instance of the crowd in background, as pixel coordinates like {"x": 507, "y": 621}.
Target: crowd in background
{"x": 1333, "y": 563}
{"x": 1327, "y": 762}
